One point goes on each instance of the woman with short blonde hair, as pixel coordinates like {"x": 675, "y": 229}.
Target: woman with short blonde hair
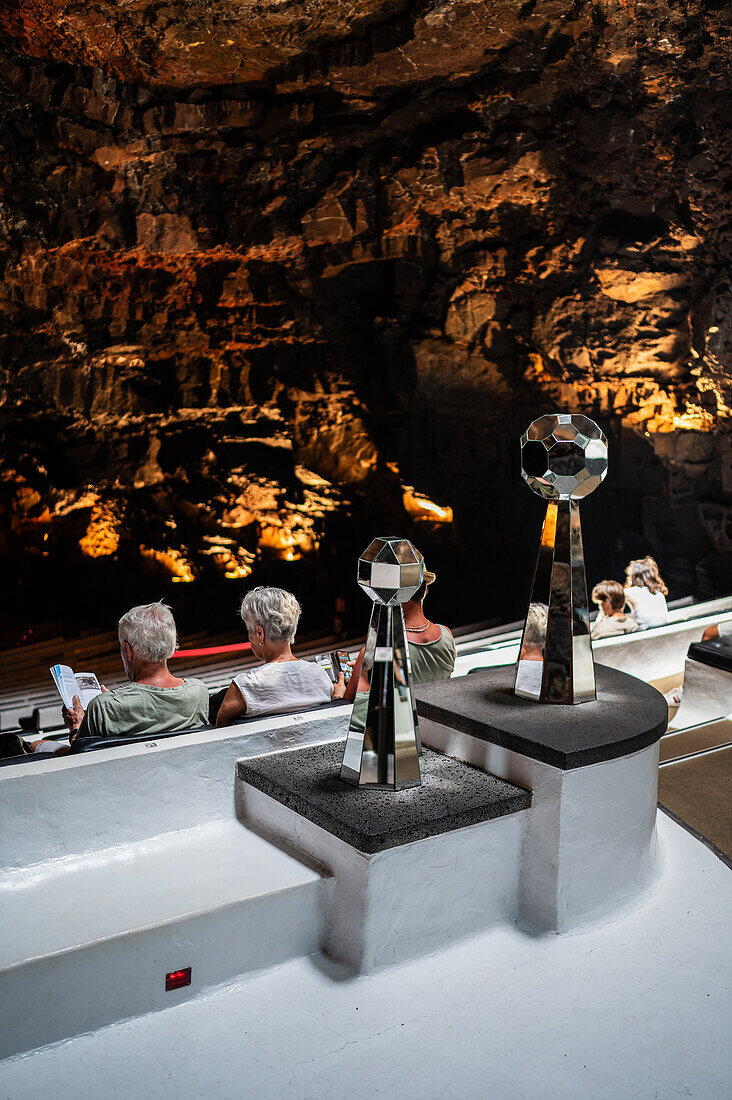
{"x": 282, "y": 682}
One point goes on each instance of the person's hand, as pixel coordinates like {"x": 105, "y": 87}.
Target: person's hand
{"x": 339, "y": 687}
{"x": 105, "y": 690}
{"x": 73, "y": 716}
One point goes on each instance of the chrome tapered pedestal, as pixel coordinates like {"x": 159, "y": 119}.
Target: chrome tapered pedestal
{"x": 566, "y": 673}
{"x": 383, "y": 751}
{"x": 564, "y": 457}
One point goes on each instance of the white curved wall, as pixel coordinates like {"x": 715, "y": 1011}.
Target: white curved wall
{"x": 589, "y": 844}
{"x": 70, "y": 807}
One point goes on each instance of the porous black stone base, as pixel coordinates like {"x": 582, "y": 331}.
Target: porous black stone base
{"x": 627, "y": 716}
{"x": 452, "y": 795}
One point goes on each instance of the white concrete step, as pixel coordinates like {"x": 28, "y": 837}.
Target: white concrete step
{"x": 632, "y": 1008}
{"x": 89, "y": 941}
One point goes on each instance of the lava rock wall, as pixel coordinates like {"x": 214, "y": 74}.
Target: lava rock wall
{"x": 277, "y": 277}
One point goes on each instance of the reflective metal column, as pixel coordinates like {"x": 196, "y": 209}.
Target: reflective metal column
{"x": 564, "y": 457}
{"x": 385, "y": 752}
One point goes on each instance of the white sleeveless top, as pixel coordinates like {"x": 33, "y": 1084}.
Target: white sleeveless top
{"x": 283, "y": 685}
{"x": 650, "y": 607}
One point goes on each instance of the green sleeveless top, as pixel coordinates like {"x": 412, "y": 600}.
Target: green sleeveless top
{"x": 429, "y": 660}
{"x": 432, "y": 660}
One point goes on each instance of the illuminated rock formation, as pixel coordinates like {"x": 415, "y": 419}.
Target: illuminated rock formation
{"x": 261, "y": 260}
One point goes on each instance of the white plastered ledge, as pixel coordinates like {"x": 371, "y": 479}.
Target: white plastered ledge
{"x": 120, "y": 865}
{"x": 65, "y": 808}
{"x": 707, "y": 696}
{"x": 407, "y": 901}
{"x": 634, "y": 1008}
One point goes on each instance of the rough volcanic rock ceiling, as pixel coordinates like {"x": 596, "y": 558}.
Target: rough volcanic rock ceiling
{"x": 281, "y": 275}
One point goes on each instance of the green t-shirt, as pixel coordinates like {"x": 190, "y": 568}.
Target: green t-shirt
{"x": 139, "y": 710}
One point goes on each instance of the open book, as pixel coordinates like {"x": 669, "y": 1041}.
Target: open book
{"x": 69, "y": 684}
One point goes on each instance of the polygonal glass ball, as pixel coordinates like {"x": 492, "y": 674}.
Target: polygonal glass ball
{"x": 390, "y": 570}
{"x": 563, "y": 456}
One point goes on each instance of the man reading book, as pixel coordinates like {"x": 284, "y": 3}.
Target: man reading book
{"x": 154, "y": 701}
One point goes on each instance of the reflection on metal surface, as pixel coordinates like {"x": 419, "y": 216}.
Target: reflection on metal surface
{"x": 563, "y": 458}
{"x": 385, "y": 753}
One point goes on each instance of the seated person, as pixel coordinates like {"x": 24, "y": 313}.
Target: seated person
{"x": 719, "y": 630}
{"x": 431, "y": 650}
{"x": 611, "y": 620}
{"x": 431, "y": 646}
{"x": 155, "y": 701}
{"x": 282, "y": 682}
{"x": 646, "y": 593}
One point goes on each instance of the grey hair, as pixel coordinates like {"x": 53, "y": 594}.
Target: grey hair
{"x": 536, "y": 621}
{"x": 150, "y": 630}
{"x": 275, "y": 610}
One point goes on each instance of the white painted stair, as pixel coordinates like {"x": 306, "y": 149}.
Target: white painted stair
{"x": 88, "y": 940}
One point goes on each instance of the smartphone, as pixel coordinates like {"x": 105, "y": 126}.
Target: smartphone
{"x": 325, "y": 660}
{"x": 340, "y": 662}
{"x": 334, "y": 663}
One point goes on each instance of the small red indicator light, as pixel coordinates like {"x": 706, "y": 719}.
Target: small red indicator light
{"x": 178, "y": 978}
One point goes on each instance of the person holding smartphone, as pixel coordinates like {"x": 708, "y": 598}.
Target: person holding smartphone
{"x": 282, "y": 681}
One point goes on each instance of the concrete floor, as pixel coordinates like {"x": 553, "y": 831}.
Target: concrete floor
{"x": 638, "y": 1007}
{"x": 699, "y": 791}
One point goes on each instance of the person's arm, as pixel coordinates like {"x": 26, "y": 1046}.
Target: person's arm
{"x": 709, "y": 633}
{"x": 80, "y": 722}
{"x": 73, "y": 716}
{"x": 74, "y": 719}
{"x": 352, "y": 686}
{"x": 233, "y": 707}
{"x": 339, "y": 687}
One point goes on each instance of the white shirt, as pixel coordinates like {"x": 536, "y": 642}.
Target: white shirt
{"x": 284, "y": 685}
{"x": 725, "y": 628}
{"x": 650, "y": 607}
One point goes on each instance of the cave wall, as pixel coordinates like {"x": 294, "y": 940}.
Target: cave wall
{"x": 278, "y": 276}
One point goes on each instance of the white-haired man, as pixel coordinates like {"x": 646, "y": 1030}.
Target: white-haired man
{"x": 154, "y": 701}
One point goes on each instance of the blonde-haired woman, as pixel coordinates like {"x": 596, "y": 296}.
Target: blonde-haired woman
{"x": 646, "y": 593}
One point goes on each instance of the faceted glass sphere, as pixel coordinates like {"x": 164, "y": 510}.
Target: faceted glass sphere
{"x": 390, "y": 570}
{"x": 563, "y": 456}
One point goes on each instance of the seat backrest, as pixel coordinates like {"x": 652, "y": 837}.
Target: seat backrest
{"x": 94, "y": 744}
{"x": 89, "y": 744}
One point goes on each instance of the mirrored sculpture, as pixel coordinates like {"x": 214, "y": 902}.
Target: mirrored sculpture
{"x": 384, "y": 753}
{"x": 563, "y": 459}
